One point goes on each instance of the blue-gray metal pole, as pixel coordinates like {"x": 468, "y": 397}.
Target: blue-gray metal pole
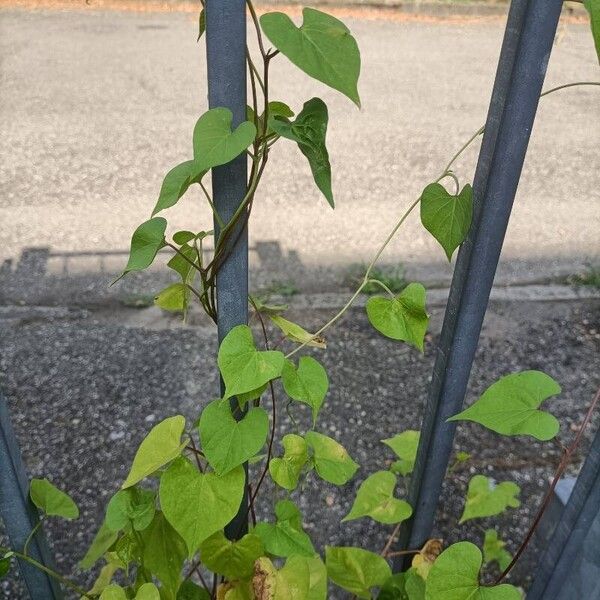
{"x": 226, "y": 64}
{"x": 569, "y": 537}
{"x": 19, "y": 514}
{"x": 522, "y": 66}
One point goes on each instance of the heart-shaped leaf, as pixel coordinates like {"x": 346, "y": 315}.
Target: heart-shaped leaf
{"x": 403, "y": 317}
{"x": 455, "y": 576}
{"x": 146, "y": 241}
{"x": 158, "y": 448}
{"x": 51, "y": 500}
{"x": 286, "y": 471}
{"x": 228, "y": 443}
{"x": 510, "y": 406}
{"x": 131, "y": 507}
{"x": 485, "y": 498}
{"x": 322, "y": 47}
{"x": 308, "y": 383}
{"x": 375, "y": 499}
{"x": 405, "y": 446}
{"x": 356, "y": 570}
{"x": 309, "y": 130}
{"x": 286, "y": 537}
{"x": 215, "y": 143}
{"x": 243, "y": 367}
{"x": 234, "y": 560}
{"x": 176, "y": 183}
{"x": 332, "y": 461}
{"x": 198, "y": 505}
{"x": 447, "y": 217}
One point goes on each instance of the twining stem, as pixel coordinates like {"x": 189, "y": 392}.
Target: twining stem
{"x": 67, "y": 582}
{"x": 364, "y": 282}
{"x": 562, "y": 466}
{"x": 30, "y": 536}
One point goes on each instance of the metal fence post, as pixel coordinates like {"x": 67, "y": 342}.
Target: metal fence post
{"x": 226, "y": 64}
{"x": 20, "y": 516}
{"x": 522, "y": 66}
{"x": 568, "y": 540}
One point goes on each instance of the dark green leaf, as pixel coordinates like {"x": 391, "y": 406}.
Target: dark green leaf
{"x": 510, "y": 406}
{"x": 51, "y": 500}
{"x": 309, "y": 131}
{"x": 164, "y": 553}
{"x": 188, "y": 590}
{"x": 447, "y": 217}
{"x": 5, "y": 564}
{"x": 201, "y": 27}
{"x": 322, "y": 47}
{"x": 228, "y": 443}
{"x": 403, "y": 317}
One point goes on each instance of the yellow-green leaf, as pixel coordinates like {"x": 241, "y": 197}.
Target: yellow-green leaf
{"x": 485, "y": 498}
{"x": 52, "y": 501}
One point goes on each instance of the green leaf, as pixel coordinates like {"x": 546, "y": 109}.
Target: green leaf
{"x": 493, "y": 550}
{"x": 52, "y": 501}
{"x": 201, "y": 24}
{"x": 173, "y": 298}
{"x": 103, "y": 540}
{"x": 243, "y": 367}
{"x": 403, "y": 586}
{"x": 403, "y": 317}
{"x": 486, "y": 499}
{"x": 309, "y": 131}
{"x": 447, "y": 217}
{"x": 356, "y": 570}
{"x": 322, "y": 47}
{"x": 197, "y": 504}
{"x": 183, "y": 237}
{"x": 146, "y": 241}
{"x": 332, "y": 461}
{"x": 308, "y": 383}
{"x": 375, "y": 499}
{"x": 286, "y": 537}
{"x": 188, "y": 590}
{"x": 293, "y": 331}
{"x": 214, "y": 141}
{"x": 455, "y": 576}
{"x": 286, "y": 471}
{"x": 5, "y": 564}
{"x": 135, "y": 507}
{"x": 510, "y": 406}
{"x": 593, "y": 7}
{"x": 317, "y": 574}
{"x": 147, "y": 591}
{"x": 228, "y": 443}
{"x": 405, "y": 447}
{"x": 164, "y": 553}
{"x": 175, "y": 184}
{"x": 234, "y": 560}
{"x": 158, "y": 448}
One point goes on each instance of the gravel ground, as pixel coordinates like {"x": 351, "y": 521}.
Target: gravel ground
{"x": 84, "y": 390}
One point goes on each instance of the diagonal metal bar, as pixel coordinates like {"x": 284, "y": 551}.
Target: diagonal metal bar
{"x": 521, "y": 70}
{"x": 20, "y": 516}
{"x": 226, "y": 65}
{"x": 569, "y": 539}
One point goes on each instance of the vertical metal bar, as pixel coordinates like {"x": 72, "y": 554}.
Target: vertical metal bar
{"x": 568, "y": 539}
{"x": 526, "y": 49}
{"x": 226, "y": 64}
{"x": 20, "y": 516}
